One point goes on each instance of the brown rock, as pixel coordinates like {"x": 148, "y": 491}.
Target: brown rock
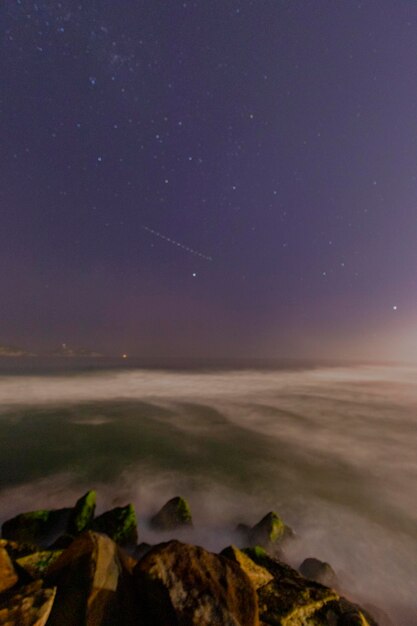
{"x": 94, "y": 589}
{"x": 257, "y": 574}
{"x": 36, "y": 564}
{"x": 183, "y": 584}
{"x": 8, "y": 576}
{"x": 29, "y": 606}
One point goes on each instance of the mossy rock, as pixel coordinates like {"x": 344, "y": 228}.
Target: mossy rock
{"x": 292, "y": 600}
{"x": 82, "y": 514}
{"x": 119, "y": 524}
{"x": 258, "y": 575}
{"x": 174, "y": 514}
{"x": 37, "y": 564}
{"x": 269, "y": 531}
{"x": 36, "y": 527}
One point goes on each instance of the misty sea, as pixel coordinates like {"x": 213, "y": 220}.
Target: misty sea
{"x": 333, "y": 450}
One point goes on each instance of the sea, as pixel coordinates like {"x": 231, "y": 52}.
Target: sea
{"x": 332, "y": 448}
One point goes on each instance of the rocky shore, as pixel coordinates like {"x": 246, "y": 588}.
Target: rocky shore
{"x": 68, "y": 567}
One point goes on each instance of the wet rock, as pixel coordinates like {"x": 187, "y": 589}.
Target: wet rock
{"x": 8, "y": 575}
{"x": 269, "y": 532}
{"x": 37, "y": 564}
{"x": 258, "y": 575}
{"x": 29, "y": 606}
{"x": 119, "y": 524}
{"x": 292, "y": 600}
{"x": 36, "y": 527}
{"x": 174, "y": 514}
{"x": 320, "y": 571}
{"x": 16, "y": 550}
{"x": 142, "y": 549}
{"x": 289, "y": 598}
{"x": 94, "y": 589}
{"x": 62, "y": 542}
{"x": 183, "y": 584}
{"x": 82, "y": 514}
{"x": 341, "y": 612}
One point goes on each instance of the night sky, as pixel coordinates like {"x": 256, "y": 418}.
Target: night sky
{"x": 209, "y": 178}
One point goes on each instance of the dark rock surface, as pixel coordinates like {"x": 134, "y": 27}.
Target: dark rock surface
{"x": 174, "y": 514}
{"x": 183, "y": 584}
{"x": 37, "y": 527}
{"x": 82, "y": 514}
{"x": 94, "y": 589}
{"x": 320, "y": 571}
{"x": 119, "y": 524}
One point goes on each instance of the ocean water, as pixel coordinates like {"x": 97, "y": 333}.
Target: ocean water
{"x": 333, "y": 450}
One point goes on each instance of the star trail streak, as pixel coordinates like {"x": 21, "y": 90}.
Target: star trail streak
{"x": 177, "y": 243}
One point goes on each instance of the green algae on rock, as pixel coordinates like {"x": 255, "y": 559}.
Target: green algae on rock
{"x": 37, "y": 527}
{"x": 82, "y": 514}
{"x": 119, "y": 524}
{"x": 270, "y": 530}
{"x": 257, "y": 574}
{"x": 36, "y": 564}
{"x": 174, "y": 514}
{"x": 292, "y": 600}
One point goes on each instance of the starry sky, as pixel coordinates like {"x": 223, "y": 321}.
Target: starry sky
{"x": 220, "y": 178}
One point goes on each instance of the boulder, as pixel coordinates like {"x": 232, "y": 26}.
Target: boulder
{"x": 82, "y": 514}
{"x": 119, "y": 524}
{"x": 37, "y": 527}
{"x": 94, "y": 589}
{"x": 184, "y": 584}
{"x": 142, "y": 549}
{"x": 269, "y": 532}
{"x": 8, "y": 575}
{"x": 16, "y": 550}
{"x": 344, "y": 613}
{"x": 292, "y": 600}
{"x": 320, "y": 571}
{"x": 37, "y": 564}
{"x": 174, "y": 514}
{"x": 29, "y": 606}
{"x": 257, "y": 574}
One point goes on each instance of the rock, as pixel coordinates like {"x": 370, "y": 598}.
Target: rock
{"x": 291, "y": 600}
{"x": 183, "y": 584}
{"x": 8, "y": 575}
{"x": 16, "y": 550}
{"x": 320, "y": 571}
{"x": 82, "y": 514}
{"x": 37, "y": 564}
{"x": 62, "y": 542}
{"x": 119, "y": 524}
{"x": 258, "y": 575}
{"x": 142, "y": 549}
{"x": 29, "y": 606}
{"x": 37, "y": 527}
{"x": 378, "y": 615}
{"x": 243, "y": 532}
{"x": 269, "y": 532}
{"x": 174, "y": 513}
{"x": 344, "y": 613}
{"x": 93, "y": 587}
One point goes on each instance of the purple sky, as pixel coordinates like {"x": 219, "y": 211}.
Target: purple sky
{"x": 209, "y": 178}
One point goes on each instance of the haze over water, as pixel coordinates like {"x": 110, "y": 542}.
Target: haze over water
{"x": 331, "y": 449}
